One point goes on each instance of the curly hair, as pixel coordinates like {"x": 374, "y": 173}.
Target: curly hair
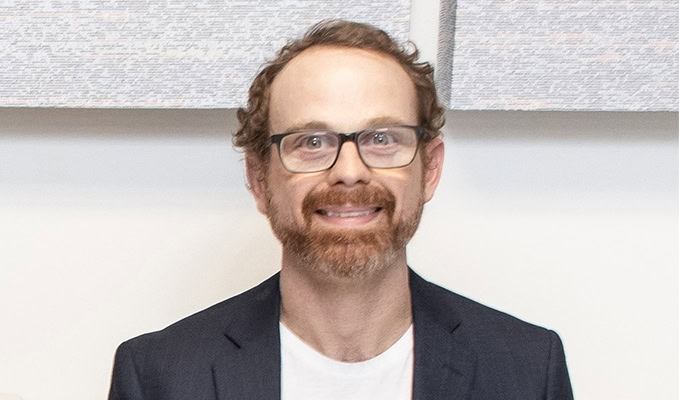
{"x": 253, "y": 133}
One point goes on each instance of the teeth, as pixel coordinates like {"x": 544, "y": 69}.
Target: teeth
{"x": 348, "y": 214}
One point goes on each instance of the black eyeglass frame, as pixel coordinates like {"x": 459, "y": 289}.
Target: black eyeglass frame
{"x": 347, "y": 137}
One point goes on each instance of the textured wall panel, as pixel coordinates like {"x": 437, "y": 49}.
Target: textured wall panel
{"x": 156, "y": 53}
{"x": 559, "y": 55}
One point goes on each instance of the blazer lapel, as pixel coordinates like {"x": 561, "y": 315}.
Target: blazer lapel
{"x": 444, "y": 365}
{"x": 249, "y": 364}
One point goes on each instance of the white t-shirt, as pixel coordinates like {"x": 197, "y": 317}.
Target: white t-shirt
{"x": 308, "y": 374}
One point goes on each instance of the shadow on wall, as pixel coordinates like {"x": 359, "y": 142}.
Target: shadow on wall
{"x": 143, "y": 123}
{"x": 553, "y": 125}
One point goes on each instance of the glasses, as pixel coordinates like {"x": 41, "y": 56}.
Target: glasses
{"x": 317, "y": 150}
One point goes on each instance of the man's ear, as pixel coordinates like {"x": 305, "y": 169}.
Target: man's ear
{"x": 434, "y": 153}
{"x": 255, "y": 173}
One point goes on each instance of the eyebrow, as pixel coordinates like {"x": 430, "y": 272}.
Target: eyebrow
{"x": 373, "y": 122}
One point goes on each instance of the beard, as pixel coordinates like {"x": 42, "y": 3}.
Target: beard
{"x": 345, "y": 252}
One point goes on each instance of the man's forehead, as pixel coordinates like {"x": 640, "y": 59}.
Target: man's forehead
{"x": 323, "y": 82}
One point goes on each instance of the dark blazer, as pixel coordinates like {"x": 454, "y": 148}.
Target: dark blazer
{"x": 462, "y": 350}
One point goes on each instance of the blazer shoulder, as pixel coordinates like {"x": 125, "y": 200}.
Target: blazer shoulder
{"x": 211, "y": 322}
{"x": 512, "y": 358}
{"x": 480, "y": 322}
{"x": 177, "y": 362}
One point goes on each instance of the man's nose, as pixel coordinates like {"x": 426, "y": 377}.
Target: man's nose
{"x": 349, "y": 169}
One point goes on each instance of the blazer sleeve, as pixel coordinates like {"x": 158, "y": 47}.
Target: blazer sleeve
{"x": 125, "y": 384}
{"x": 558, "y": 384}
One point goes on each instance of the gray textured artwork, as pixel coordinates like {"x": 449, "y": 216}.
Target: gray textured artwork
{"x": 157, "y": 53}
{"x": 605, "y": 55}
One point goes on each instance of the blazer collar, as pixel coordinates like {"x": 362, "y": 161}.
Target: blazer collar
{"x": 444, "y": 364}
{"x": 249, "y": 367}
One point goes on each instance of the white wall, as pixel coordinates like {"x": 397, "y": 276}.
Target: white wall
{"x": 115, "y": 223}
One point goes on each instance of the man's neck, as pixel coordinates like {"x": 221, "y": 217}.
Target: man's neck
{"x": 346, "y": 319}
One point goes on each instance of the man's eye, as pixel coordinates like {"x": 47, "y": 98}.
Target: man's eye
{"x": 312, "y": 142}
{"x": 382, "y": 138}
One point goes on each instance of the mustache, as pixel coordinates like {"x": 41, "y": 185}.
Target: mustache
{"x": 367, "y": 196}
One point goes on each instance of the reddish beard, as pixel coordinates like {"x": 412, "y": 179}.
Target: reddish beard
{"x": 345, "y": 252}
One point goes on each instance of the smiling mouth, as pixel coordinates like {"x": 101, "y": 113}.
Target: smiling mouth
{"x": 348, "y": 212}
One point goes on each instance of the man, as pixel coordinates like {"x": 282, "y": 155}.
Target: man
{"x": 345, "y": 318}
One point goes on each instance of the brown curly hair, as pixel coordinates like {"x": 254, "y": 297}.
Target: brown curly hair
{"x": 253, "y": 133}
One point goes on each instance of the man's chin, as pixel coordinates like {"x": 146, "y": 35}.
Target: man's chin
{"x": 349, "y": 261}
